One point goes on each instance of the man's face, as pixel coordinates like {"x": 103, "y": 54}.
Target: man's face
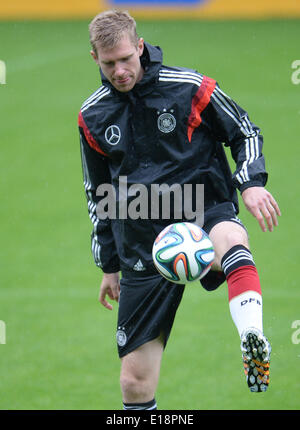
{"x": 121, "y": 64}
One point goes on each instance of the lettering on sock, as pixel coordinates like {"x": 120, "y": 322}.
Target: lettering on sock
{"x": 244, "y": 302}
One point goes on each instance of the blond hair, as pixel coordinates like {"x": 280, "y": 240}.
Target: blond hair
{"x": 108, "y": 28}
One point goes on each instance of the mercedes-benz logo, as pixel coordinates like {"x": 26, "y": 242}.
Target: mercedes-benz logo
{"x": 113, "y": 135}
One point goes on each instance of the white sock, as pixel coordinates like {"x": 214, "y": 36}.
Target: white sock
{"x": 246, "y": 311}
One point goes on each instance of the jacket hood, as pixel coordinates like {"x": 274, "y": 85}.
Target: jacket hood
{"x": 151, "y": 61}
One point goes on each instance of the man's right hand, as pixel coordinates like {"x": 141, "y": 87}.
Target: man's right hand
{"x": 110, "y": 286}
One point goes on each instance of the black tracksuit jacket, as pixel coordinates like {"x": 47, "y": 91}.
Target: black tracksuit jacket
{"x": 169, "y": 129}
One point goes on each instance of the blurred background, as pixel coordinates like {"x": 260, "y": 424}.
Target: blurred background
{"x": 57, "y": 343}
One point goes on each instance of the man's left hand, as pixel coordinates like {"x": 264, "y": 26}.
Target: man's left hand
{"x": 262, "y": 205}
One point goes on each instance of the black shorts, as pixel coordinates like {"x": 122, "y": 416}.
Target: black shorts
{"x": 148, "y": 303}
{"x": 218, "y": 213}
{"x": 147, "y": 308}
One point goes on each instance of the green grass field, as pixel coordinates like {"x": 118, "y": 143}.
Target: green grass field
{"x": 60, "y": 350}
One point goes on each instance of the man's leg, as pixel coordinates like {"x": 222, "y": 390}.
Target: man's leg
{"x": 233, "y": 256}
{"x": 147, "y": 308}
{"x": 140, "y": 374}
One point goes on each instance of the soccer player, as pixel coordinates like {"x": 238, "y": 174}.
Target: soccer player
{"x": 153, "y": 124}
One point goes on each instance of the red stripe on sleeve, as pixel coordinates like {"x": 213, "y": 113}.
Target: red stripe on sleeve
{"x": 199, "y": 103}
{"x": 91, "y": 141}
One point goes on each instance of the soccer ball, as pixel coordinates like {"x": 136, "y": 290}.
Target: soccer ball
{"x": 183, "y": 253}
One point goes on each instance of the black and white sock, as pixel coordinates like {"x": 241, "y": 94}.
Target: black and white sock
{"x": 150, "y": 406}
{"x": 244, "y": 290}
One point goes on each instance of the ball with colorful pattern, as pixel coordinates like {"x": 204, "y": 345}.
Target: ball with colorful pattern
{"x": 183, "y": 253}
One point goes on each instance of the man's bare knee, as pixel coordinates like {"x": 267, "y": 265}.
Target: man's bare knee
{"x": 224, "y": 236}
{"x": 135, "y": 389}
